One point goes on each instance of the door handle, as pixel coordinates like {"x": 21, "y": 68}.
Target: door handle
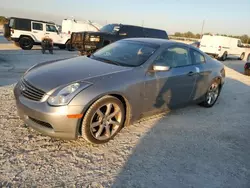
{"x": 47, "y": 33}
{"x": 35, "y": 32}
{"x": 191, "y": 73}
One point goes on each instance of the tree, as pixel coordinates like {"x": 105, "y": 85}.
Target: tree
{"x": 178, "y": 34}
{"x": 3, "y": 20}
{"x": 244, "y": 38}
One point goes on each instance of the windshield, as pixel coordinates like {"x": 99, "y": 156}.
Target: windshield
{"x": 110, "y": 28}
{"x": 126, "y": 53}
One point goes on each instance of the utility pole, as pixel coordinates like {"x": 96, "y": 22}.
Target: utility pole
{"x": 203, "y": 23}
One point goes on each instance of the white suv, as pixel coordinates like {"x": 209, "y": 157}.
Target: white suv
{"x": 26, "y": 33}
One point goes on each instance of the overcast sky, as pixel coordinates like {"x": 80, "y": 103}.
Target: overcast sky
{"x": 221, "y": 16}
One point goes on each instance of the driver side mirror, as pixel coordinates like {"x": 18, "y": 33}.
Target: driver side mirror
{"x": 160, "y": 68}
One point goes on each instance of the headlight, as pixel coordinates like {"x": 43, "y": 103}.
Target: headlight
{"x": 64, "y": 96}
{"x": 94, "y": 39}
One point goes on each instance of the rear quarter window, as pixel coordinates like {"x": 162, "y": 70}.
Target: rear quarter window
{"x": 197, "y": 57}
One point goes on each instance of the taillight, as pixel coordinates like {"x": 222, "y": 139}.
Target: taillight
{"x": 69, "y": 32}
{"x": 219, "y": 48}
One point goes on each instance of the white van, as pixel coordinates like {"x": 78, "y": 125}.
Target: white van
{"x": 71, "y": 25}
{"x": 222, "y": 47}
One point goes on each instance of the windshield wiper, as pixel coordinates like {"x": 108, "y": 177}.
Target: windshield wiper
{"x": 106, "y": 60}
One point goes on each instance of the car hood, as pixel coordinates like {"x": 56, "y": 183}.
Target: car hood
{"x": 48, "y": 76}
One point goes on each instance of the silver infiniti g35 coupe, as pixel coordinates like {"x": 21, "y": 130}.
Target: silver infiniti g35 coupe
{"x": 96, "y": 96}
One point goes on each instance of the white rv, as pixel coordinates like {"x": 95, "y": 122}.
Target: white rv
{"x": 72, "y": 25}
{"x": 222, "y": 47}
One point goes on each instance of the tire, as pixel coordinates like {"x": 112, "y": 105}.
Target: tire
{"x": 207, "y": 103}
{"x": 68, "y": 46}
{"x": 242, "y": 56}
{"x": 26, "y": 43}
{"x": 224, "y": 56}
{"x": 248, "y": 58}
{"x": 96, "y": 116}
{"x": 247, "y": 69}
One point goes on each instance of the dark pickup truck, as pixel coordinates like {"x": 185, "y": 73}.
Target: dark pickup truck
{"x": 88, "y": 42}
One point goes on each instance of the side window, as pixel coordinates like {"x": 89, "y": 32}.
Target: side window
{"x": 51, "y": 28}
{"x": 153, "y": 33}
{"x": 174, "y": 57}
{"x": 131, "y": 31}
{"x": 37, "y": 26}
{"x": 198, "y": 58}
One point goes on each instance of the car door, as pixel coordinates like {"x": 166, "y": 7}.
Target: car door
{"x": 52, "y": 33}
{"x": 37, "y": 30}
{"x": 172, "y": 88}
{"x": 202, "y": 74}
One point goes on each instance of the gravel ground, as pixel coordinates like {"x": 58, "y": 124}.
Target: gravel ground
{"x": 189, "y": 147}
{"x": 13, "y": 63}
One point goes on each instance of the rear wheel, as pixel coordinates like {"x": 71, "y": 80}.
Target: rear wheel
{"x": 103, "y": 120}
{"x": 211, "y": 95}
{"x": 26, "y": 43}
{"x": 224, "y": 56}
{"x": 242, "y": 56}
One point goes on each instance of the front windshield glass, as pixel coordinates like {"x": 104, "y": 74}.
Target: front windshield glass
{"x": 126, "y": 53}
{"x": 111, "y": 28}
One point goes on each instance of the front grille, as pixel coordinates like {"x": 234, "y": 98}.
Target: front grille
{"x": 44, "y": 124}
{"x": 30, "y": 92}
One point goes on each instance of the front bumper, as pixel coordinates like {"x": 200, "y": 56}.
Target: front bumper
{"x": 50, "y": 121}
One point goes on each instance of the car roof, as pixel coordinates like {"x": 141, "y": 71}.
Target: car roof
{"x": 154, "y": 41}
{"x": 31, "y": 20}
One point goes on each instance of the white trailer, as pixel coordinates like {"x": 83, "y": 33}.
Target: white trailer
{"x": 72, "y": 25}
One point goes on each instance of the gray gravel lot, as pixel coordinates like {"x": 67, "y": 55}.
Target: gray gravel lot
{"x": 13, "y": 63}
{"x": 189, "y": 147}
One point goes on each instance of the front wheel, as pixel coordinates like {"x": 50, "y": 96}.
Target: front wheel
{"x": 103, "y": 120}
{"x": 211, "y": 95}
{"x": 248, "y": 58}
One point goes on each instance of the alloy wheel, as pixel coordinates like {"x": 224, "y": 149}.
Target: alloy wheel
{"x": 106, "y": 121}
{"x": 213, "y": 93}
